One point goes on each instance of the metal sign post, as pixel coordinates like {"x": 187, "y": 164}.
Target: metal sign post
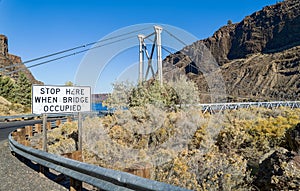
{"x": 80, "y": 131}
{"x": 45, "y": 133}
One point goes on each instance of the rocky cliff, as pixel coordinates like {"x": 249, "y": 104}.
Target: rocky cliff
{"x": 10, "y": 63}
{"x": 256, "y": 59}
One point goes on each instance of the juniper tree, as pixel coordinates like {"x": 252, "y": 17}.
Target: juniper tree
{"x": 6, "y": 88}
{"x": 22, "y": 90}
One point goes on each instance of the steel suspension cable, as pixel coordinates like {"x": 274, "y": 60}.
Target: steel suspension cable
{"x": 68, "y": 55}
{"x": 70, "y": 49}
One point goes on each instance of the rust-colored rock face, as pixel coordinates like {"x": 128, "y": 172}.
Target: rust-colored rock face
{"x": 259, "y": 57}
{"x": 272, "y": 29}
{"x": 3, "y": 45}
{"x": 11, "y": 63}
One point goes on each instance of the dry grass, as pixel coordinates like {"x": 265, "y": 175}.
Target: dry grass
{"x": 186, "y": 148}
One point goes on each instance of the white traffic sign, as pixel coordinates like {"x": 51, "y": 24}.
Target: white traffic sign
{"x": 60, "y": 99}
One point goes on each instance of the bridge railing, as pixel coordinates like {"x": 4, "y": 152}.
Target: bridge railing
{"x": 219, "y": 107}
{"x": 32, "y": 116}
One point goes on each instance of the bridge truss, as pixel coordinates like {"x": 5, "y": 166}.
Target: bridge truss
{"x": 214, "y": 108}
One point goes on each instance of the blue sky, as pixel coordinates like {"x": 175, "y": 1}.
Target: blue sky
{"x": 40, "y": 27}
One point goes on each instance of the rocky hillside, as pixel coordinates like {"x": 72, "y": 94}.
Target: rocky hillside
{"x": 10, "y": 63}
{"x": 258, "y": 57}
{"x": 8, "y": 108}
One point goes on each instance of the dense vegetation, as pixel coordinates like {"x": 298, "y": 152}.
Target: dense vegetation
{"x": 16, "y": 95}
{"x": 225, "y": 151}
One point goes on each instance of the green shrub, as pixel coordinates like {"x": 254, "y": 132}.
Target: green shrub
{"x": 178, "y": 93}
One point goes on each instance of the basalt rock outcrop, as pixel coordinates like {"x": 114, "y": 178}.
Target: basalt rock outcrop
{"x": 256, "y": 60}
{"x": 293, "y": 139}
{"x": 280, "y": 171}
{"x": 11, "y": 64}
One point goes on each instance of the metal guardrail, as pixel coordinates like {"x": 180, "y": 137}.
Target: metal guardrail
{"x": 105, "y": 179}
{"x": 26, "y": 116}
{"x": 30, "y": 116}
{"x": 99, "y": 177}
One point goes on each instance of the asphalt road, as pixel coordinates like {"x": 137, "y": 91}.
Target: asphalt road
{"x": 5, "y": 132}
{"x": 8, "y": 127}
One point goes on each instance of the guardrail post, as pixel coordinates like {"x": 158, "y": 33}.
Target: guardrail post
{"x": 75, "y": 185}
{"x": 43, "y": 170}
{"x": 69, "y": 119}
{"x": 57, "y": 122}
{"x": 38, "y": 127}
{"x": 14, "y": 135}
{"x": 76, "y": 155}
{"x": 28, "y": 131}
{"x": 49, "y": 125}
{"x": 19, "y": 135}
{"x": 142, "y": 169}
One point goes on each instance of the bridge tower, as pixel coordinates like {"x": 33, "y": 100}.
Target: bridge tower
{"x": 143, "y": 51}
